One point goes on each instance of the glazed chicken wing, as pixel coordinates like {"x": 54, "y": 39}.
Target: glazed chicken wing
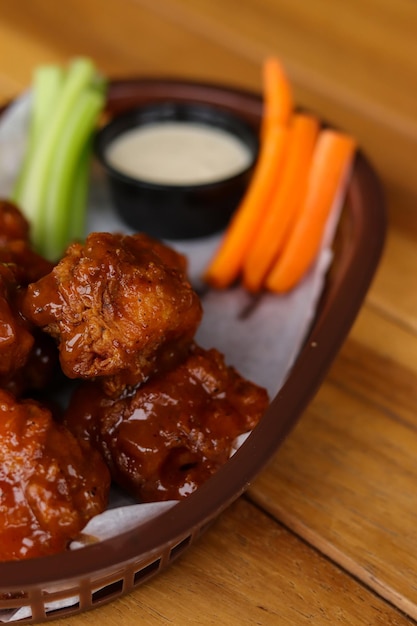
{"x": 13, "y": 224}
{"x": 165, "y": 439}
{"x": 19, "y": 265}
{"x": 120, "y": 307}
{"x": 50, "y": 484}
{"x": 16, "y": 340}
{"x": 39, "y": 370}
{"x": 15, "y": 249}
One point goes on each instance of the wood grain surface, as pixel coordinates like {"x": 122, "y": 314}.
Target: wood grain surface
{"x": 327, "y": 534}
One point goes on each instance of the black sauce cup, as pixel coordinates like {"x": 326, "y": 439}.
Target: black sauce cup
{"x": 176, "y": 211}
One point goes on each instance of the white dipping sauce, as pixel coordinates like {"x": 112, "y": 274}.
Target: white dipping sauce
{"x": 178, "y": 153}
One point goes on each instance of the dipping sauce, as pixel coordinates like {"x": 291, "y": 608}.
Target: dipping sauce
{"x": 177, "y": 170}
{"x": 178, "y": 153}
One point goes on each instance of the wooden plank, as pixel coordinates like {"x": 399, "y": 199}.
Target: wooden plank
{"x": 17, "y": 55}
{"x": 345, "y": 479}
{"x": 385, "y": 345}
{"x": 126, "y": 39}
{"x": 394, "y": 293}
{"x": 333, "y": 53}
{"x": 248, "y": 570}
{"x": 144, "y": 37}
{"x": 332, "y": 47}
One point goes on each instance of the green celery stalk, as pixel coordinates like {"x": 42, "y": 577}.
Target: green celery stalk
{"x": 54, "y": 231}
{"x": 33, "y": 190}
{"x": 79, "y": 195}
{"x": 47, "y": 81}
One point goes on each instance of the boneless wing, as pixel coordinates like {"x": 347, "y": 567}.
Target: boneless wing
{"x": 120, "y": 307}
{"x": 13, "y": 224}
{"x": 16, "y": 340}
{"x": 19, "y": 265}
{"x": 169, "y": 436}
{"x": 50, "y": 484}
{"x": 15, "y": 249}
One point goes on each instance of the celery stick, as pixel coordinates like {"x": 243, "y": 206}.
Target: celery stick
{"x": 47, "y": 81}
{"x": 34, "y": 189}
{"x": 79, "y": 195}
{"x": 80, "y": 186}
{"x": 53, "y": 231}
{"x": 99, "y": 83}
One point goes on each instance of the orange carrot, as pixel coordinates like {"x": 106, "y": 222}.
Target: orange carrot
{"x": 285, "y": 203}
{"x": 277, "y": 95}
{"x": 332, "y": 160}
{"x": 228, "y": 260}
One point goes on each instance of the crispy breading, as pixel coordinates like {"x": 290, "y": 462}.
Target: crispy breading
{"x": 120, "y": 307}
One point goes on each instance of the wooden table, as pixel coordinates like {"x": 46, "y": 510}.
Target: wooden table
{"x": 328, "y": 533}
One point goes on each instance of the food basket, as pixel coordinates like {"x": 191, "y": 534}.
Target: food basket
{"x": 80, "y": 580}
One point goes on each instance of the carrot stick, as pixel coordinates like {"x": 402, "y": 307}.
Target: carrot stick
{"x": 277, "y": 95}
{"x": 228, "y": 260}
{"x": 332, "y": 161}
{"x": 285, "y": 203}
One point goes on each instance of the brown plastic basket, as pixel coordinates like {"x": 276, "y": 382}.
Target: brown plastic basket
{"x": 104, "y": 571}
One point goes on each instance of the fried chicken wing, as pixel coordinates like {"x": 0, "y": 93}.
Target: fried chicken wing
{"x": 120, "y": 307}
{"x": 50, "y": 483}
{"x": 28, "y": 357}
{"x": 13, "y": 224}
{"x": 16, "y": 340}
{"x": 19, "y": 265}
{"x": 39, "y": 369}
{"x": 172, "y": 433}
{"x": 15, "y": 249}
